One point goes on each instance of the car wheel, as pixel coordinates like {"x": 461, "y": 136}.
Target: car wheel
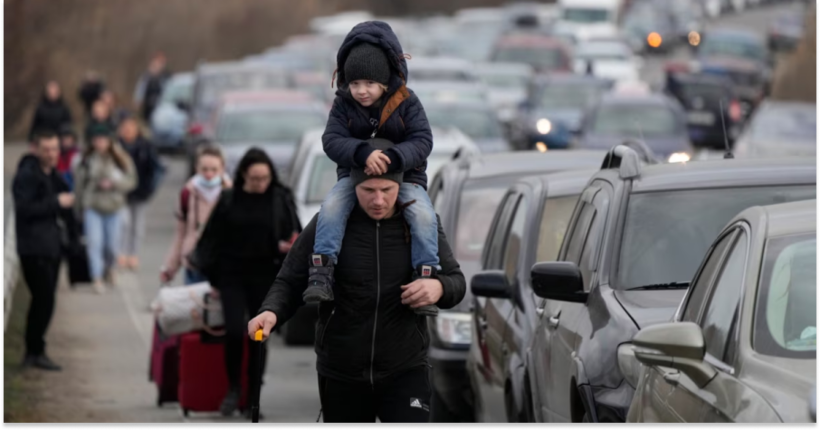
{"x": 439, "y": 412}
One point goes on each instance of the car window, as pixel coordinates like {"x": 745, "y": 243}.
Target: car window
{"x": 579, "y": 233}
{"x": 539, "y": 57}
{"x": 322, "y": 178}
{"x": 723, "y": 46}
{"x": 666, "y": 233}
{"x": 567, "y": 96}
{"x": 554, "y": 223}
{"x": 476, "y": 123}
{"x": 698, "y": 290}
{"x": 266, "y": 125}
{"x": 512, "y": 247}
{"x": 792, "y": 125}
{"x": 593, "y": 238}
{"x": 635, "y": 120}
{"x": 500, "y": 230}
{"x": 724, "y": 299}
{"x": 786, "y": 318}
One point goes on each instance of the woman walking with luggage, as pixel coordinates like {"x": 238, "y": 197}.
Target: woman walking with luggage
{"x": 241, "y": 251}
{"x": 196, "y": 200}
{"x": 103, "y": 178}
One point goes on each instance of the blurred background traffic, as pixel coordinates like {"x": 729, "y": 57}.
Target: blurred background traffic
{"x": 686, "y": 79}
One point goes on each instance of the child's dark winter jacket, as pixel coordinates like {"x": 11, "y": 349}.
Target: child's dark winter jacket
{"x": 402, "y": 119}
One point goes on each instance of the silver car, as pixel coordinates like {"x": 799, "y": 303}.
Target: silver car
{"x": 743, "y": 344}
{"x": 780, "y": 128}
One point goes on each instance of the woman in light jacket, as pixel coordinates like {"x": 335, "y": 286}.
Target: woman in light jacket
{"x": 103, "y": 179}
{"x": 196, "y": 200}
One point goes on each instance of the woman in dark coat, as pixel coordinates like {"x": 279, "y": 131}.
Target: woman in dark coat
{"x": 241, "y": 251}
{"x": 51, "y": 114}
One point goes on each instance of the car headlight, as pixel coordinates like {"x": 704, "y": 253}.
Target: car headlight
{"x": 629, "y": 365}
{"x": 679, "y": 157}
{"x": 454, "y": 328}
{"x": 544, "y": 126}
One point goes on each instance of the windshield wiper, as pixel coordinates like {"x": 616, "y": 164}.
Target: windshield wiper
{"x": 666, "y": 286}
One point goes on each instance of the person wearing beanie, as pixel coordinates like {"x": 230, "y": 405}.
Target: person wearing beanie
{"x": 371, "y": 349}
{"x": 373, "y": 101}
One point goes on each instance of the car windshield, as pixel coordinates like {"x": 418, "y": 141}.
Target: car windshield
{"x": 506, "y": 81}
{"x": 322, "y": 178}
{"x": 475, "y": 214}
{"x": 538, "y": 57}
{"x": 478, "y": 124}
{"x": 266, "y": 125}
{"x": 635, "y": 121}
{"x": 790, "y": 125}
{"x": 177, "y": 90}
{"x": 732, "y": 47}
{"x": 603, "y": 51}
{"x": 713, "y": 93}
{"x": 667, "y": 233}
{"x": 584, "y": 15}
{"x": 212, "y": 87}
{"x": 786, "y": 313}
{"x": 568, "y": 96}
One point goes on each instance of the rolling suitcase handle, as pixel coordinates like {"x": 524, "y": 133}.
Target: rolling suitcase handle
{"x": 257, "y": 379}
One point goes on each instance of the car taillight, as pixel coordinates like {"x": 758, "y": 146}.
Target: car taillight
{"x": 195, "y": 129}
{"x": 735, "y": 111}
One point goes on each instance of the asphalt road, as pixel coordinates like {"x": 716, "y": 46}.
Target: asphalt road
{"x": 290, "y": 391}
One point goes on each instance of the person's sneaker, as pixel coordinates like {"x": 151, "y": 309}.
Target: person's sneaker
{"x": 421, "y": 273}
{"x": 110, "y": 278}
{"x": 230, "y": 403}
{"x": 99, "y": 287}
{"x": 41, "y": 362}
{"x": 320, "y": 283}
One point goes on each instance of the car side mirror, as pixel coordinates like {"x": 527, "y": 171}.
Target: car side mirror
{"x": 491, "y": 284}
{"x": 677, "y": 345}
{"x": 558, "y": 280}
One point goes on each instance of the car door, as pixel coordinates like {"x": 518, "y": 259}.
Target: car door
{"x": 659, "y": 385}
{"x": 490, "y": 317}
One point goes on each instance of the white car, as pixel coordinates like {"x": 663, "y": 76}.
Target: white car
{"x": 589, "y": 18}
{"x": 314, "y": 174}
{"x": 507, "y": 85}
{"x": 609, "y": 59}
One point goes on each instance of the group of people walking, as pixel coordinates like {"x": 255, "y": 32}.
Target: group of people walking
{"x": 375, "y": 258}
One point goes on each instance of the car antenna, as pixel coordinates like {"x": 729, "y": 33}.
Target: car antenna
{"x": 728, "y": 155}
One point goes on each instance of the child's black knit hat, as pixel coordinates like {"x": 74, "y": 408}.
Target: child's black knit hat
{"x": 367, "y": 62}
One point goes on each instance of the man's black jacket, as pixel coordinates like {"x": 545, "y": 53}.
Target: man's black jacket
{"x": 366, "y": 334}
{"x": 36, "y": 211}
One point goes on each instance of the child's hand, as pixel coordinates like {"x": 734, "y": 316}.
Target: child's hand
{"x": 377, "y": 163}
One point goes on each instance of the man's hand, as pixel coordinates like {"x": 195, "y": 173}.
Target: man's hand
{"x": 66, "y": 200}
{"x": 165, "y": 276}
{"x": 377, "y": 163}
{"x": 265, "y": 321}
{"x": 422, "y": 292}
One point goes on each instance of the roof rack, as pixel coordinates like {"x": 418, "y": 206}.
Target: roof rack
{"x": 625, "y": 159}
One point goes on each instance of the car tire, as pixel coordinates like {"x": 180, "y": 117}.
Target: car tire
{"x": 439, "y": 412}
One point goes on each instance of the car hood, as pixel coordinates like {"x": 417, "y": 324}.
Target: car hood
{"x": 570, "y": 117}
{"x": 662, "y": 146}
{"x": 280, "y": 153}
{"x": 647, "y": 307}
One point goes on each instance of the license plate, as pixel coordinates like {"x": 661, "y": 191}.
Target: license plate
{"x": 701, "y": 118}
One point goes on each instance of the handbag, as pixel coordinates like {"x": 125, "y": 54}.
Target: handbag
{"x": 188, "y": 308}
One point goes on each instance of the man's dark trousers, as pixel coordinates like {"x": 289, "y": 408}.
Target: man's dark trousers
{"x": 403, "y": 398}
{"x": 40, "y": 274}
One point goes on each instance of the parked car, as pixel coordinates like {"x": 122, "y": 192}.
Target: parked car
{"x": 439, "y": 69}
{"x": 743, "y": 344}
{"x": 656, "y": 119}
{"x": 608, "y": 60}
{"x": 465, "y": 194}
{"x": 528, "y": 226}
{"x": 545, "y": 54}
{"x": 554, "y": 108}
{"x": 590, "y": 18}
{"x": 171, "y": 114}
{"x": 714, "y": 115}
{"x": 507, "y": 84}
{"x": 786, "y": 31}
{"x": 632, "y": 247}
{"x": 780, "y": 128}
{"x": 479, "y": 121}
{"x": 641, "y": 21}
{"x": 211, "y": 82}
{"x": 751, "y": 82}
{"x": 449, "y": 92}
{"x": 745, "y": 45}
{"x": 273, "y": 121}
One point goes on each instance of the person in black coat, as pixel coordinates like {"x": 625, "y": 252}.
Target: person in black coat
{"x": 240, "y": 252}
{"x": 371, "y": 347}
{"x": 41, "y": 197}
{"x": 52, "y": 114}
{"x": 146, "y": 161}
{"x": 91, "y": 90}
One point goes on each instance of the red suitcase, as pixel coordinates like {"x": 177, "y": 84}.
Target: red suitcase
{"x": 165, "y": 366}
{"x": 203, "y": 383}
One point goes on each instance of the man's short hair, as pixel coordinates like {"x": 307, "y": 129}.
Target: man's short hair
{"x": 43, "y": 135}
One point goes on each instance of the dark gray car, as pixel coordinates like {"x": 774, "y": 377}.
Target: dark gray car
{"x": 635, "y": 241}
{"x": 465, "y": 194}
{"x": 743, "y": 344}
